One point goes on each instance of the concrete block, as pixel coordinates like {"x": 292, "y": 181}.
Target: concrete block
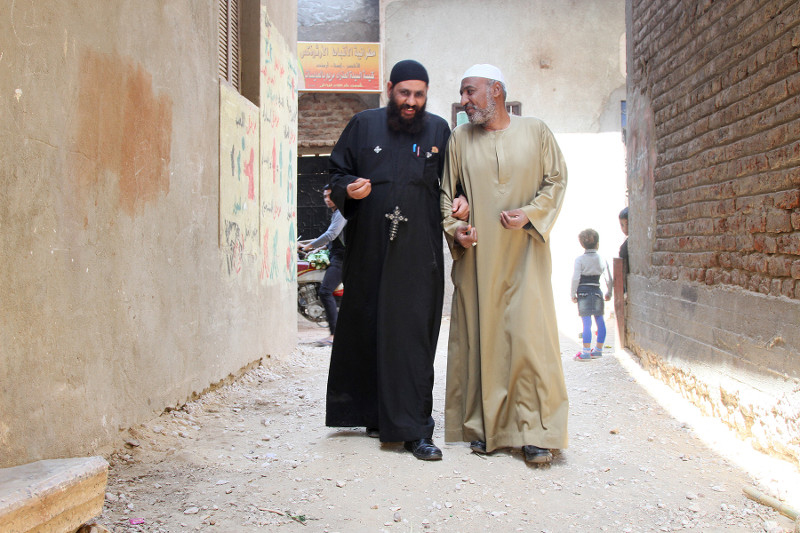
{"x": 55, "y": 495}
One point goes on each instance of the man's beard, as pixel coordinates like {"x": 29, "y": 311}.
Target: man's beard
{"x": 482, "y": 116}
{"x": 398, "y": 123}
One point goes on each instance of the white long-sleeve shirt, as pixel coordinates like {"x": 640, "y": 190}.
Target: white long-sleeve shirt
{"x": 590, "y": 264}
{"x": 334, "y": 229}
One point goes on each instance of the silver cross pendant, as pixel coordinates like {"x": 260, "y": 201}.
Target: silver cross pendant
{"x": 395, "y": 218}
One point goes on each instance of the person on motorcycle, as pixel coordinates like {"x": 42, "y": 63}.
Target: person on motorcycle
{"x": 333, "y": 238}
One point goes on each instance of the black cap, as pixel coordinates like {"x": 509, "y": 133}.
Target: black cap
{"x": 408, "y": 69}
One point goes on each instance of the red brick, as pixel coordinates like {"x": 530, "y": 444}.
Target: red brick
{"x": 728, "y": 243}
{"x": 787, "y": 288}
{"x": 765, "y": 286}
{"x": 744, "y": 280}
{"x": 744, "y": 242}
{"x": 756, "y": 263}
{"x": 756, "y": 224}
{"x": 789, "y": 244}
{"x": 765, "y": 243}
{"x": 779, "y": 266}
{"x": 735, "y": 223}
{"x": 775, "y": 289}
{"x": 787, "y": 199}
{"x": 778, "y": 221}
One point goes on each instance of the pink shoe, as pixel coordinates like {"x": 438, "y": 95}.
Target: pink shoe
{"x": 582, "y": 356}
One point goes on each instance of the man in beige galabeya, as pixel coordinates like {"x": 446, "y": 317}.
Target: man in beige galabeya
{"x": 505, "y": 382}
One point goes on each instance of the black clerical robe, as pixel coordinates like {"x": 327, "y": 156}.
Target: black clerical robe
{"x": 381, "y": 370}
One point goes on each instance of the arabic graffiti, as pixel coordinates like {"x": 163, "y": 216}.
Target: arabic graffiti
{"x": 233, "y": 248}
{"x": 238, "y": 180}
{"x": 278, "y": 202}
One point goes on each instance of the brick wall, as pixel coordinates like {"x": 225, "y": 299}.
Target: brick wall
{"x": 713, "y": 143}
{"x": 323, "y": 116}
{"x": 724, "y": 83}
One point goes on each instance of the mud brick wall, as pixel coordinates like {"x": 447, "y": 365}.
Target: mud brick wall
{"x": 726, "y": 101}
{"x": 714, "y": 181}
{"x": 323, "y": 116}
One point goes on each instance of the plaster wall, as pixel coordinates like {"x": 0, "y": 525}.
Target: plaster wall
{"x": 337, "y": 20}
{"x": 116, "y": 299}
{"x": 564, "y": 61}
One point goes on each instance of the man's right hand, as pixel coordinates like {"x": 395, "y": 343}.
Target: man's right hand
{"x": 360, "y": 188}
{"x": 460, "y": 208}
{"x": 466, "y": 236}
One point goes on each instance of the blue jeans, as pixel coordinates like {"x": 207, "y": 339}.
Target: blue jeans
{"x": 591, "y": 304}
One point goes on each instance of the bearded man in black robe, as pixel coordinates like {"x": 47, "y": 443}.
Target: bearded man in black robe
{"x": 385, "y": 175}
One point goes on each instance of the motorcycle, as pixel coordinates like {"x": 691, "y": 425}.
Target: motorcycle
{"x": 310, "y": 271}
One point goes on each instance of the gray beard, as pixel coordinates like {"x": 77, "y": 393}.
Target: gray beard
{"x": 480, "y": 117}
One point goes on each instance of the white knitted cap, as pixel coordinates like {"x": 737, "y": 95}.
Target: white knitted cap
{"x": 484, "y": 71}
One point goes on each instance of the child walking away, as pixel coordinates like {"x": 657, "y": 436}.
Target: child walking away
{"x": 589, "y": 268}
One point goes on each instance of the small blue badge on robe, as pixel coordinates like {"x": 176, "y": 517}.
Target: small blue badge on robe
{"x": 378, "y": 149}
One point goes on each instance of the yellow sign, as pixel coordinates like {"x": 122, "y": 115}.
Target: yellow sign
{"x": 340, "y": 67}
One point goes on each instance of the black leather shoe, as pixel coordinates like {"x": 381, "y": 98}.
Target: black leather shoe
{"x": 478, "y": 446}
{"x": 424, "y": 449}
{"x": 536, "y": 455}
{"x": 373, "y": 432}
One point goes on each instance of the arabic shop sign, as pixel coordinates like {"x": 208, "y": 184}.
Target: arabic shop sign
{"x": 340, "y": 67}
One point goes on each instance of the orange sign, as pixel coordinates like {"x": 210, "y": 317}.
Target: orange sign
{"x": 340, "y": 67}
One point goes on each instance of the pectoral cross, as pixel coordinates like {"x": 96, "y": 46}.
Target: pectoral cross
{"x": 396, "y": 218}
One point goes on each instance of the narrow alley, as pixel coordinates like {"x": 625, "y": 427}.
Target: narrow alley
{"x": 255, "y": 455}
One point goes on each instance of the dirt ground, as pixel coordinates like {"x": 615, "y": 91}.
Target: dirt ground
{"x": 256, "y": 456}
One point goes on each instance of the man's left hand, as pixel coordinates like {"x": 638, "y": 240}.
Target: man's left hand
{"x": 466, "y": 236}
{"x": 514, "y": 219}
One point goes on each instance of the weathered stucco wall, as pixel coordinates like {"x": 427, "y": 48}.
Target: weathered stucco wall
{"x": 337, "y": 20}
{"x": 714, "y": 160}
{"x": 116, "y": 297}
{"x": 562, "y": 60}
